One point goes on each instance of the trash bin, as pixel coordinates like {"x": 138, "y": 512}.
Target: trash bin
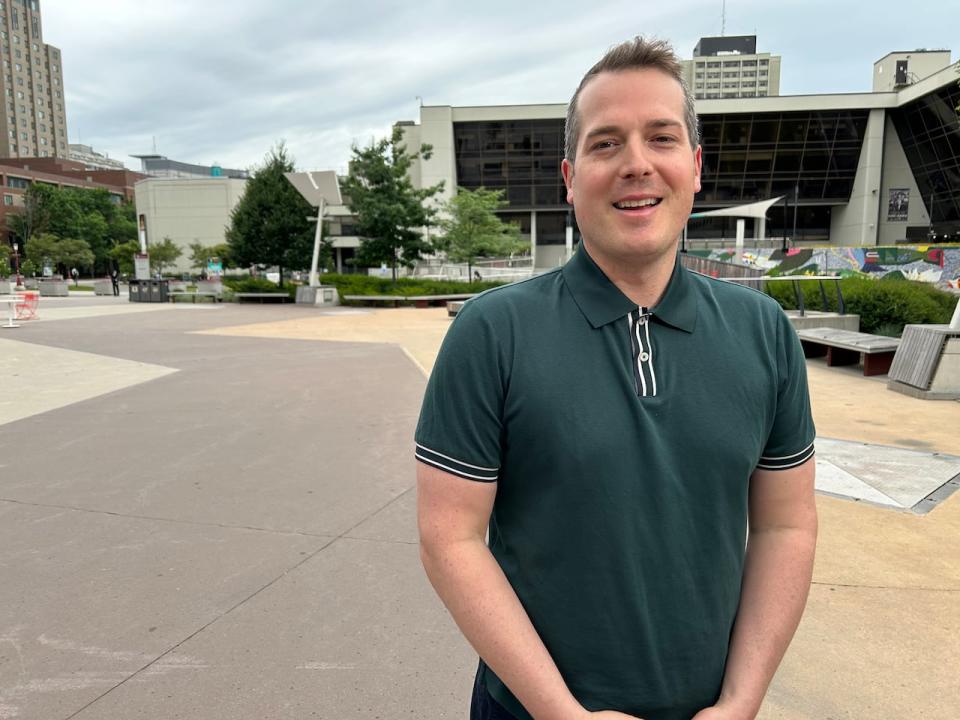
{"x": 159, "y": 291}
{"x": 135, "y": 289}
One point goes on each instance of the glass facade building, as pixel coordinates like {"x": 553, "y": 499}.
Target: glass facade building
{"x": 929, "y": 131}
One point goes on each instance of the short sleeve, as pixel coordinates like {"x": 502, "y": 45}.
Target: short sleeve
{"x": 791, "y": 439}
{"x": 462, "y": 414}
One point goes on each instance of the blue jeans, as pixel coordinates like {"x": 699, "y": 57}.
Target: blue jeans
{"x": 484, "y": 707}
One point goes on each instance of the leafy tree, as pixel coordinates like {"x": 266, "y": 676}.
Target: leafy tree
{"x": 200, "y": 254}
{"x": 91, "y": 215}
{"x": 389, "y": 210}
{"x": 4, "y": 259}
{"x": 122, "y": 254}
{"x": 64, "y": 253}
{"x": 471, "y": 228}
{"x": 269, "y": 225}
{"x": 164, "y": 253}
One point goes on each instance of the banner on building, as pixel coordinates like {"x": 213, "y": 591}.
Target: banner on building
{"x": 898, "y": 204}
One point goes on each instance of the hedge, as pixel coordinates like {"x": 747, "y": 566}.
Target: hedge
{"x": 884, "y": 306}
{"x": 370, "y": 285}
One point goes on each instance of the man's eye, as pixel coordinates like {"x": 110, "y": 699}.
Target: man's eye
{"x": 602, "y": 144}
{"x": 664, "y": 139}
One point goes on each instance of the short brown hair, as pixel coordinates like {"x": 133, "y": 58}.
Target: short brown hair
{"x": 635, "y": 54}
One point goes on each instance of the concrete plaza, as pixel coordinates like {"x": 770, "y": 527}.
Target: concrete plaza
{"x": 209, "y": 512}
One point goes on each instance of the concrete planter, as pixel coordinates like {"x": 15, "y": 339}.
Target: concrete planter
{"x": 6, "y": 287}
{"x": 102, "y": 287}
{"x": 54, "y": 288}
{"x": 325, "y": 295}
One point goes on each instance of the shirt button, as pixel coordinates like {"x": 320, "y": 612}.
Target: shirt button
{"x": 643, "y": 320}
{"x": 644, "y": 356}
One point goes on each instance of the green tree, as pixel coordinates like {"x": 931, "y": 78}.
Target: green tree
{"x": 471, "y": 228}
{"x": 63, "y": 253}
{"x": 92, "y": 215}
{"x": 200, "y": 254}
{"x": 122, "y": 254}
{"x": 164, "y": 253}
{"x": 5, "y": 253}
{"x": 269, "y": 225}
{"x": 390, "y": 212}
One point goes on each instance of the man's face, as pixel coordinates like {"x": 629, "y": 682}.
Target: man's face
{"x": 634, "y": 177}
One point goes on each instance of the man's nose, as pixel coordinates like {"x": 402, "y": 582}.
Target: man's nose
{"x": 636, "y": 159}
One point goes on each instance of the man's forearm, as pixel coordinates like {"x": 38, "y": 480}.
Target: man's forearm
{"x": 776, "y": 581}
{"x": 485, "y": 607}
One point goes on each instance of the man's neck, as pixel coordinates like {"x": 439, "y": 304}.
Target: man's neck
{"x": 643, "y": 280}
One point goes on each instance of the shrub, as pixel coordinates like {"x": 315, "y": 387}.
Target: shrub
{"x": 885, "y": 305}
{"x": 370, "y": 285}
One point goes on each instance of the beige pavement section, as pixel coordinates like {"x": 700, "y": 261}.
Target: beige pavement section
{"x": 37, "y": 378}
{"x": 46, "y": 313}
{"x": 418, "y": 331}
{"x": 881, "y": 635}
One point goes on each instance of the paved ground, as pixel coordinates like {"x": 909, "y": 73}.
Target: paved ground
{"x": 208, "y": 511}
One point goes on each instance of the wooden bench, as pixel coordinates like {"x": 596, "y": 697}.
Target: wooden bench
{"x": 263, "y": 297}
{"x": 843, "y": 347}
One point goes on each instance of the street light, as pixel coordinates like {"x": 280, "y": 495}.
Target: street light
{"x": 16, "y": 264}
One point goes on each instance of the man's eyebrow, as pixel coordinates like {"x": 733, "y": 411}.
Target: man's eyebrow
{"x": 604, "y": 130}
{"x": 664, "y": 122}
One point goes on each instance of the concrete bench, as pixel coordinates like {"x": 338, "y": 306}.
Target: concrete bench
{"x": 420, "y": 301}
{"x": 843, "y": 347}
{"x": 174, "y": 295}
{"x": 263, "y": 297}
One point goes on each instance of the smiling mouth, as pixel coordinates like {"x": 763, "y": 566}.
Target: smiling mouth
{"x": 636, "y": 204}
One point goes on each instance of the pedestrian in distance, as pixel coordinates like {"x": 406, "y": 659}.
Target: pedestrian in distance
{"x": 611, "y": 426}
{"x": 115, "y": 281}
{"x": 75, "y": 274}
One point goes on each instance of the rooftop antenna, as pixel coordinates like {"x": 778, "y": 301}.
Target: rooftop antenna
{"x": 723, "y": 18}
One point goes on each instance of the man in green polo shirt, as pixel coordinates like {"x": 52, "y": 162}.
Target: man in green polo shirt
{"x": 614, "y": 425}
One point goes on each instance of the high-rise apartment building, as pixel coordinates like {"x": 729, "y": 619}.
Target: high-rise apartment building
{"x": 34, "y": 122}
{"x": 730, "y": 67}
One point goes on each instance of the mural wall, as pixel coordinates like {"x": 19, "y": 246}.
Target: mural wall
{"x": 935, "y": 264}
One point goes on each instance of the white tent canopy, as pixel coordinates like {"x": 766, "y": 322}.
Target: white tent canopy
{"x": 756, "y": 210}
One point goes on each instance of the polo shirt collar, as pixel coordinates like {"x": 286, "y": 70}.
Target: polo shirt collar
{"x": 601, "y": 302}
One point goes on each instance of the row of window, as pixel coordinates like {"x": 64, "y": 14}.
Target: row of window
{"x": 732, "y": 63}
{"x": 749, "y": 73}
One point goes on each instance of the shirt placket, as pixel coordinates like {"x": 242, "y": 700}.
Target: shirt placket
{"x": 638, "y": 322}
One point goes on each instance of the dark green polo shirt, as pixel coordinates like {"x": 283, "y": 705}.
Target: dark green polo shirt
{"x": 622, "y": 440}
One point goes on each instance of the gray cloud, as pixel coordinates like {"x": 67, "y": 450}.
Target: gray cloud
{"x": 223, "y": 81}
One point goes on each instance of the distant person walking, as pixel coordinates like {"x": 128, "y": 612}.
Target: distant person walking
{"x": 115, "y": 280}
{"x": 76, "y": 276}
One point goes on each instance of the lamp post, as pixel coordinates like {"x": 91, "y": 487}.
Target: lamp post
{"x": 319, "y": 189}
{"x": 16, "y": 264}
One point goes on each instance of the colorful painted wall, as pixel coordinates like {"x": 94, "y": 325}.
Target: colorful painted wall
{"x": 927, "y": 263}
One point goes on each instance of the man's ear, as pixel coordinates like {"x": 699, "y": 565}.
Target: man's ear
{"x": 566, "y": 169}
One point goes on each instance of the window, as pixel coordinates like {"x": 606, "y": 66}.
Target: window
{"x": 13, "y": 133}
{"x": 731, "y": 63}
{"x": 23, "y": 136}
{"x": 16, "y": 39}
{"x": 15, "y": 182}
{"x": 20, "y": 81}
{"x": 19, "y": 67}
{"x": 7, "y": 199}
{"x": 43, "y": 141}
{"x": 713, "y": 64}
{"x": 16, "y": 19}
{"x": 23, "y": 122}
{"x": 40, "y": 114}
{"x": 35, "y": 26}
{"x": 20, "y": 94}
{"x": 43, "y": 128}
{"x": 764, "y": 63}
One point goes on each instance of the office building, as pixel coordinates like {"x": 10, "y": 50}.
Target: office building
{"x": 730, "y": 67}
{"x": 91, "y": 158}
{"x": 34, "y": 123}
{"x": 872, "y": 168}
{"x": 187, "y": 210}
{"x": 163, "y": 167}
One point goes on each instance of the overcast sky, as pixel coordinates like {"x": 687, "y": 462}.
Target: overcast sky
{"x": 221, "y": 81}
